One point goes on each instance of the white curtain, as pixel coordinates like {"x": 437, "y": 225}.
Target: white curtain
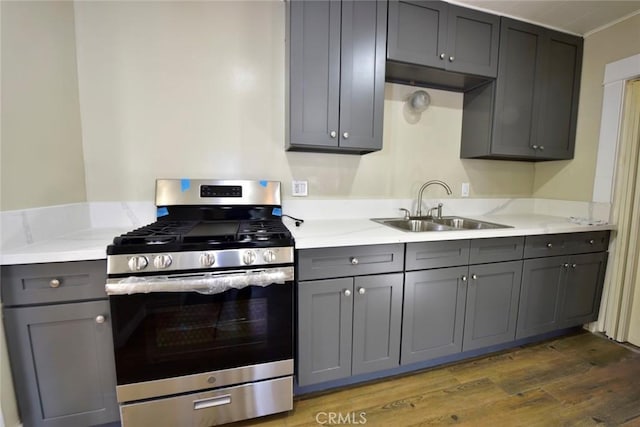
{"x": 623, "y": 272}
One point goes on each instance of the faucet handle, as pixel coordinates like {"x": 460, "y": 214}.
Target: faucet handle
{"x": 407, "y": 213}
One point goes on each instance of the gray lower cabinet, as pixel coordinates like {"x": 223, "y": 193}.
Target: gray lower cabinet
{"x": 529, "y": 112}
{"x": 433, "y": 320}
{"x": 62, "y": 363}
{"x": 492, "y": 304}
{"x": 348, "y": 326}
{"x": 336, "y": 67}
{"x": 560, "y": 292}
{"x": 58, "y": 329}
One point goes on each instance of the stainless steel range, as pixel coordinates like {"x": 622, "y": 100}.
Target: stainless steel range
{"x": 202, "y": 306}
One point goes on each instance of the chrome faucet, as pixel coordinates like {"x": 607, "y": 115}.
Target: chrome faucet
{"x": 424, "y": 187}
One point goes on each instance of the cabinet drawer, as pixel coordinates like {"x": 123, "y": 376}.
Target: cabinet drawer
{"x": 496, "y": 250}
{"x": 564, "y": 244}
{"x": 53, "y": 282}
{"x": 349, "y": 261}
{"x": 437, "y": 254}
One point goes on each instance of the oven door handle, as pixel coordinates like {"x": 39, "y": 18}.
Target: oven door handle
{"x": 211, "y": 402}
{"x": 205, "y": 283}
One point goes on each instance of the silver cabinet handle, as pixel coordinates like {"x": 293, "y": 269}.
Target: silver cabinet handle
{"x": 362, "y": 291}
{"x": 464, "y": 278}
{"x": 573, "y": 265}
{"x": 354, "y": 260}
{"x": 535, "y": 147}
{"x": 100, "y": 319}
{"x": 591, "y": 242}
{"x": 549, "y": 245}
{"x": 442, "y": 55}
{"x": 542, "y": 148}
{"x": 345, "y": 135}
{"x": 565, "y": 265}
{"x": 474, "y": 276}
{"x": 452, "y": 58}
{"x": 54, "y": 283}
{"x": 347, "y": 293}
{"x": 333, "y": 134}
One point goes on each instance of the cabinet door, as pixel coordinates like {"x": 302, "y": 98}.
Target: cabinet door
{"x": 364, "y": 34}
{"x": 583, "y": 288}
{"x": 63, "y": 366}
{"x": 434, "y": 303}
{"x": 517, "y": 89}
{"x": 417, "y": 32}
{"x": 540, "y": 298}
{"x": 314, "y": 67}
{"x": 492, "y": 304}
{"x": 324, "y": 330}
{"x": 560, "y": 88}
{"x": 377, "y": 313}
{"x": 472, "y": 42}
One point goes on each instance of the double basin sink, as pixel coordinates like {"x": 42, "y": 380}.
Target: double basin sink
{"x": 446, "y": 223}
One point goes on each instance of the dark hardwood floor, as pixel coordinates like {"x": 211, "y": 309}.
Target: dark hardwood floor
{"x": 578, "y": 380}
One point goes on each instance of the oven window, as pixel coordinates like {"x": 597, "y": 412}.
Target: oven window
{"x": 164, "y": 335}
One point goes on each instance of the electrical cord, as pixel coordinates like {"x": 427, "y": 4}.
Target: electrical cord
{"x": 297, "y": 220}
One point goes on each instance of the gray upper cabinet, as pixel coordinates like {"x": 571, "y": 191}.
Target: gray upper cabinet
{"x": 529, "y": 112}
{"x": 62, "y": 362}
{"x": 336, "y": 66}
{"x": 463, "y": 42}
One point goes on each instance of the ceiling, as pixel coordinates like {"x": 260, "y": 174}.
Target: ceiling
{"x": 575, "y": 16}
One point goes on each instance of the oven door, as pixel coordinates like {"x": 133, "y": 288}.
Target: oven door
{"x": 200, "y": 331}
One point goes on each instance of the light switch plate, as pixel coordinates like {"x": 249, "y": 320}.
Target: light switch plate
{"x": 299, "y": 188}
{"x": 465, "y": 190}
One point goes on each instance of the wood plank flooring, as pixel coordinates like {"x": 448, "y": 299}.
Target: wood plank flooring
{"x": 579, "y": 380}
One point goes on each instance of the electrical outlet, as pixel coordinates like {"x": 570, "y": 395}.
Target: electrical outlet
{"x": 299, "y": 188}
{"x": 465, "y": 189}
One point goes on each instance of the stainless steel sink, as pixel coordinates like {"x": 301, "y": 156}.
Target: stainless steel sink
{"x": 466, "y": 223}
{"x": 417, "y": 224}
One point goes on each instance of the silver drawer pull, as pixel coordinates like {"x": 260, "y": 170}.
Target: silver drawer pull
{"x": 354, "y": 261}
{"x": 549, "y": 245}
{"x": 474, "y": 276}
{"x": 211, "y": 402}
{"x": 573, "y": 265}
{"x": 100, "y": 319}
{"x": 54, "y": 283}
{"x": 591, "y": 242}
{"x": 347, "y": 293}
{"x": 362, "y": 291}
{"x": 442, "y": 55}
{"x": 565, "y": 265}
{"x": 333, "y": 134}
{"x": 464, "y": 278}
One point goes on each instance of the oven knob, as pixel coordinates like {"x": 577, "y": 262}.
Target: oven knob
{"x": 207, "y": 259}
{"x": 162, "y": 261}
{"x": 249, "y": 257}
{"x": 137, "y": 263}
{"x": 269, "y": 256}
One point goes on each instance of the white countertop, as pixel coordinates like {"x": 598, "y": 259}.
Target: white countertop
{"x": 91, "y": 244}
{"x": 351, "y": 232}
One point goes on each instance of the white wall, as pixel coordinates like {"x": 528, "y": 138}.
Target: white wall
{"x": 197, "y": 89}
{"x": 41, "y": 141}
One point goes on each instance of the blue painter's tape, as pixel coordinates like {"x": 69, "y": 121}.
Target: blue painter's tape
{"x": 276, "y": 212}
{"x": 162, "y": 212}
{"x": 263, "y": 183}
{"x": 185, "y": 184}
